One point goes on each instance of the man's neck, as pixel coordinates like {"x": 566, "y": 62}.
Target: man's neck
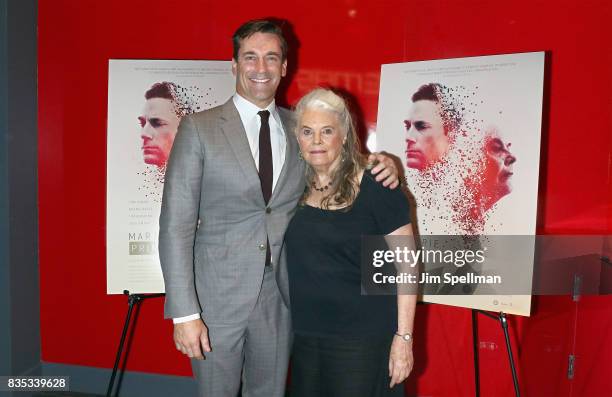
{"x": 259, "y": 105}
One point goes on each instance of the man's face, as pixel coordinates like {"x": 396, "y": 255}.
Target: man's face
{"x": 427, "y": 141}
{"x": 498, "y": 166}
{"x": 159, "y": 123}
{"x": 259, "y": 68}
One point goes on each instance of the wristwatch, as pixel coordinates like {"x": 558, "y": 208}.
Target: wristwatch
{"x": 407, "y": 336}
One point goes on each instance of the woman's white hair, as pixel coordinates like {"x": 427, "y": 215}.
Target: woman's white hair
{"x": 344, "y": 185}
{"x": 321, "y": 98}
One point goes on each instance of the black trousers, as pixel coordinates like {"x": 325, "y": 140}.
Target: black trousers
{"x": 342, "y": 366}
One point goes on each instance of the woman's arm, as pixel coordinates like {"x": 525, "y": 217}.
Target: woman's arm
{"x": 401, "y": 359}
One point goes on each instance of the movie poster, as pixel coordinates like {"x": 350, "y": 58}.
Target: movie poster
{"x": 468, "y": 133}
{"x": 146, "y": 101}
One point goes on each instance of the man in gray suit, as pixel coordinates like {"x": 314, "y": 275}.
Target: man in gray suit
{"x": 233, "y": 180}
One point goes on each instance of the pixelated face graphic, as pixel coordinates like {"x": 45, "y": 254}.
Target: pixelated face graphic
{"x": 259, "y": 68}
{"x": 427, "y": 141}
{"x": 159, "y": 123}
{"x": 498, "y": 166}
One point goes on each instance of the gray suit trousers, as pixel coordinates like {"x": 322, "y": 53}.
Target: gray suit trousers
{"x": 255, "y": 350}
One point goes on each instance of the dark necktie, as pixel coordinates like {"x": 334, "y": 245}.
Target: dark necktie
{"x": 265, "y": 166}
{"x": 265, "y": 156}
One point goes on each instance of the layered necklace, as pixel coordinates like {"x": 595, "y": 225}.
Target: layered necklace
{"x": 322, "y": 188}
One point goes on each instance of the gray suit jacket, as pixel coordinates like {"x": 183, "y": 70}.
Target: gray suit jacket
{"x": 217, "y": 268}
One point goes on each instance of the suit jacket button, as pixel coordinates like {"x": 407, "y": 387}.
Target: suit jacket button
{"x": 268, "y": 210}
{"x": 262, "y": 247}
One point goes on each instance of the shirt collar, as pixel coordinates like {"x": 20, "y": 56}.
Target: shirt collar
{"x": 248, "y": 109}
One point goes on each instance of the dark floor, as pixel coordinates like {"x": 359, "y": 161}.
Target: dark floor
{"x": 65, "y": 394}
{"x": 74, "y": 394}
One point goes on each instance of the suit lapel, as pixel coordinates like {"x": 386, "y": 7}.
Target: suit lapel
{"x": 290, "y": 152}
{"x": 232, "y": 128}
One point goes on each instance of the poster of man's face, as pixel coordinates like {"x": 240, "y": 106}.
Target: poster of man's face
{"x": 147, "y": 100}
{"x": 426, "y": 139}
{"x": 445, "y": 143}
{"x": 467, "y": 132}
{"x": 158, "y": 125}
{"x": 165, "y": 103}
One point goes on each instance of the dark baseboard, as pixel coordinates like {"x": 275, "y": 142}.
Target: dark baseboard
{"x": 94, "y": 381}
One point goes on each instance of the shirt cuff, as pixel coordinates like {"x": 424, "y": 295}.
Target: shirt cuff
{"x": 184, "y": 319}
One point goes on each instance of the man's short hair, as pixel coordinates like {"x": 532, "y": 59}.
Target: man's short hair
{"x": 452, "y": 115}
{"x": 249, "y": 28}
{"x": 185, "y": 101}
{"x": 427, "y": 92}
{"x": 164, "y": 90}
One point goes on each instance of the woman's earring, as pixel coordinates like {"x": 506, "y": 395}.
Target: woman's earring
{"x": 300, "y": 155}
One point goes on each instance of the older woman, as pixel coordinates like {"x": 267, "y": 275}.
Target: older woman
{"x": 345, "y": 344}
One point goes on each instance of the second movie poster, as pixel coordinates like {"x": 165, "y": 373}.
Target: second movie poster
{"x": 468, "y": 134}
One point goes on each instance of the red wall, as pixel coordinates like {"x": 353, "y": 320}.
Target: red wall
{"x": 342, "y": 43}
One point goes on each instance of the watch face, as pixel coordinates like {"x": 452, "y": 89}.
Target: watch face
{"x": 407, "y": 337}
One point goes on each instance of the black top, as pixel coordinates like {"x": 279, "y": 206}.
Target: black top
{"x": 324, "y": 264}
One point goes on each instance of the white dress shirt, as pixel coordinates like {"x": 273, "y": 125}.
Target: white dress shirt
{"x": 252, "y": 122}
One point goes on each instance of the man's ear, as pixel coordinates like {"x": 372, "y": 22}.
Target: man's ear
{"x": 284, "y": 69}
{"x": 234, "y": 66}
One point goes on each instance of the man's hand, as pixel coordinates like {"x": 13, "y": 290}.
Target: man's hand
{"x": 191, "y": 337}
{"x": 385, "y": 171}
{"x": 400, "y": 361}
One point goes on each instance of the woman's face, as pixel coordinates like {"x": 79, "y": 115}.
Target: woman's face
{"x": 498, "y": 168}
{"x": 321, "y": 137}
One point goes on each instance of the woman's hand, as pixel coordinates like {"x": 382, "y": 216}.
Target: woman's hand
{"x": 400, "y": 360}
